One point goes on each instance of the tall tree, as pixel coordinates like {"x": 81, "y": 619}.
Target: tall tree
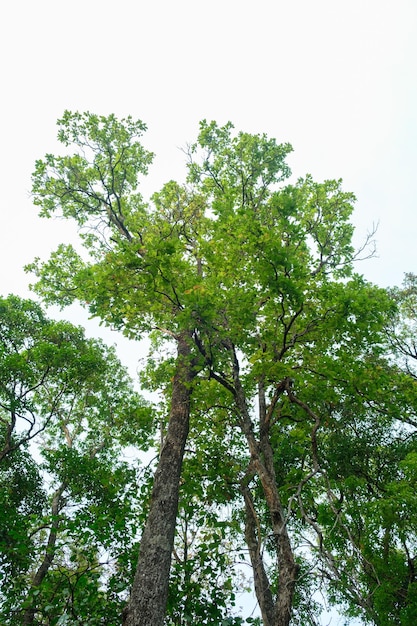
{"x": 143, "y": 260}
{"x": 252, "y": 282}
{"x": 145, "y": 272}
{"x": 283, "y": 275}
{"x": 370, "y": 451}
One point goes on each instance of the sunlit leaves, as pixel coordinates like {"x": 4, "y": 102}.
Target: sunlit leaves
{"x": 105, "y": 170}
{"x": 259, "y": 275}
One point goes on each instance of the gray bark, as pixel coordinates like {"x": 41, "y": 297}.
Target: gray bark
{"x": 275, "y": 611}
{"x": 253, "y": 541}
{"x": 147, "y": 604}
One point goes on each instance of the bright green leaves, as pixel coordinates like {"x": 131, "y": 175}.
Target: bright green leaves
{"x": 237, "y": 170}
{"x": 90, "y": 130}
{"x": 146, "y": 258}
{"x": 60, "y": 279}
{"x": 174, "y": 264}
{"x": 324, "y": 211}
{"x": 95, "y": 184}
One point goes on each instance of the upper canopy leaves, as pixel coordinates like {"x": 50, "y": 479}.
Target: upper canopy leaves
{"x": 233, "y": 237}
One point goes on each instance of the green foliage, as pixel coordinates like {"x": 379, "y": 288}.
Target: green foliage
{"x": 68, "y": 504}
{"x": 111, "y": 158}
{"x": 22, "y": 499}
{"x": 260, "y": 276}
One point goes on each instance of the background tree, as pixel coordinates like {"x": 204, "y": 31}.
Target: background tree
{"x": 370, "y": 449}
{"x": 69, "y": 508}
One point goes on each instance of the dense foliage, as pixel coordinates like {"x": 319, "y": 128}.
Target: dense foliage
{"x": 68, "y": 499}
{"x": 286, "y": 384}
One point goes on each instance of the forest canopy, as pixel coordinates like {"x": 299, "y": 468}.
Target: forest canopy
{"x": 284, "y": 427}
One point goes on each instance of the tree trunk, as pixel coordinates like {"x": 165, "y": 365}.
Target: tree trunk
{"x": 147, "y": 604}
{"x": 262, "y": 463}
{"x": 254, "y": 542}
{"x": 30, "y": 612}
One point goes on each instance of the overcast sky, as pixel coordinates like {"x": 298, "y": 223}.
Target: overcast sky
{"x": 337, "y": 79}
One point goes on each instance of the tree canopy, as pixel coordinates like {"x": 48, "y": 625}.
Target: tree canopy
{"x": 287, "y": 428}
{"x": 67, "y": 408}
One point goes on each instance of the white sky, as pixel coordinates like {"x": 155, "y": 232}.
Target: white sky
{"x": 337, "y": 79}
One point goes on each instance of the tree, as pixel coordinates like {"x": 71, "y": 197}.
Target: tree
{"x": 253, "y": 283}
{"x": 370, "y": 459}
{"x": 279, "y": 267}
{"x": 97, "y": 187}
{"x": 67, "y": 499}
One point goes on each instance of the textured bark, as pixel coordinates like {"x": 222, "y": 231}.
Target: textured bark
{"x": 262, "y": 464}
{"x": 253, "y": 541}
{"x": 287, "y": 567}
{"x": 147, "y": 604}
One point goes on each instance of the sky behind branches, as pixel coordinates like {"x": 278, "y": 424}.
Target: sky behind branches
{"x": 336, "y": 79}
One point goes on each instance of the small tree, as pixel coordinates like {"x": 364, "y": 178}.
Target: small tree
{"x": 68, "y": 498}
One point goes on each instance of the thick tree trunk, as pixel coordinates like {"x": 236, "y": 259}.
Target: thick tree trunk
{"x": 147, "y": 604}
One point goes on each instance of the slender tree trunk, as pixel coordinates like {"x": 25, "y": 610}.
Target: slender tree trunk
{"x": 262, "y": 463}
{"x": 147, "y": 604}
{"x": 287, "y": 567}
{"x": 41, "y": 572}
{"x": 260, "y": 578}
